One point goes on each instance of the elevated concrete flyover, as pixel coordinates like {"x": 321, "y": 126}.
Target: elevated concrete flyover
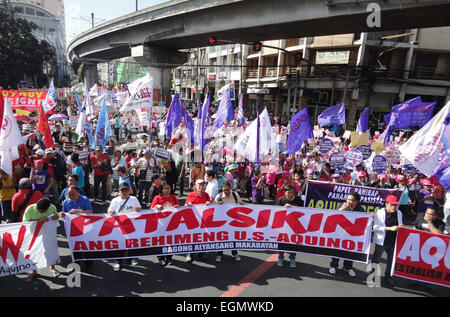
{"x": 157, "y": 33}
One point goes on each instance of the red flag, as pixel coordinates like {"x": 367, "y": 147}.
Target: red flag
{"x": 44, "y": 128}
{"x": 103, "y": 86}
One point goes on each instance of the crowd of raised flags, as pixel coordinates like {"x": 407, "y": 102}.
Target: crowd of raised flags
{"x": 206, "y": 126}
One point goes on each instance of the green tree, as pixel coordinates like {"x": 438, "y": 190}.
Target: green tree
{"x": 21, "y": 53}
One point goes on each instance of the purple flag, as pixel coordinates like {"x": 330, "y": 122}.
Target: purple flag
{"x": 225, "y": 111}
{"x": 442, "y": 171}
{"x": 205, "y": 120}
{"x": 174, "y": 116}
{"x": 240, "y": 115}
{"x": 363, "y": 123}
{"x": 332, "y": 115}
{"x": 299, "y": 131}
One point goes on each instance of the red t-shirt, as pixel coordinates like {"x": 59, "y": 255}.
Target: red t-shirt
{"x": 195, "y": 199}
{"x": 98, "y": 170}
{"x": 19, "y": 198}
{"x": 170, "y": 201}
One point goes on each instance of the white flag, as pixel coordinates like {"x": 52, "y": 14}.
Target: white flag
{"x": 141, "y": 94}
{"x": 50, "y": 100}
{"x": 266, "y": 136}
{"x": 246, "y": 143}
{"x": 10, "y": 138}
{"x": 423, "y": 149}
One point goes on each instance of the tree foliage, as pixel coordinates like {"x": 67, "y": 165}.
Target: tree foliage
{"x": 21, "y": 53}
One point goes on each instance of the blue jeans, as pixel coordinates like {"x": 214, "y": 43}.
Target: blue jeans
{"x": 291, "y": 255}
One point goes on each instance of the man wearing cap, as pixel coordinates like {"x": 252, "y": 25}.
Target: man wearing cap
{"x": 25, "y": 197}
{"x": 197, "y": 197}
{"x": 230, "y": 174}
{"x": 387, "y": 222}
{"x": 362, "y": 179}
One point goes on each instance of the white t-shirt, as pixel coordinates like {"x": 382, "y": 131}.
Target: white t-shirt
{"x": 212, "y": 188}
{"x": 131, "y": 204}
{"x": 447, "y": 200}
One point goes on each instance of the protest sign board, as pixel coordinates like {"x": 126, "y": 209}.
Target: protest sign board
{"x": 422, "y": 256}
{"x": 27, "y": 246}
{"x": 217, "y": 228}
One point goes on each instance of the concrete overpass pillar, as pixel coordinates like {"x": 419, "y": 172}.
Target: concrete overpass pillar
{"x": 91, "y": 74}
{"x": 159, "y": 61}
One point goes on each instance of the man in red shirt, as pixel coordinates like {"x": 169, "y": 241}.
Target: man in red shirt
{"x": 25, "y": 188}
{"x": 197, "y": 197}
{"x": 99, "y": 163}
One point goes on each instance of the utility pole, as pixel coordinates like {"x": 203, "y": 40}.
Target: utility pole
{"x": 92, "y": 18}
{"x": 137, "y": 9}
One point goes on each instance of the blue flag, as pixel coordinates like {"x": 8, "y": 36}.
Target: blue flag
{"x": 80, "y": 109}
{"x": 205, "y": 120}
{"x": 225, "y": 111}
{"x": 332, "y": 115}
{"x": 88, "y": 132}
{"x": 299, "y": 131}
{"x": 442, "y": 172}
{"x": 100, "y": 134}
{"x": 363, "y": 123}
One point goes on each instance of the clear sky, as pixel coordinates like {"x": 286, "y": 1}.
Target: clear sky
{"x": 78, "y": 12}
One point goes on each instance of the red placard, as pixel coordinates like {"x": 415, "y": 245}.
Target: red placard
{"x": 422, "y": 256}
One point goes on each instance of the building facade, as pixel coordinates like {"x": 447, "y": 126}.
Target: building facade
{"x": 376, "y": 70}
{"x": 50, "y": 28}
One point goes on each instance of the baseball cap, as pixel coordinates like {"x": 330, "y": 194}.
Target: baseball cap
{"x": 392, "y": 200}
{"x": 38, "y": 162}
{"x": 335, "y": 176}
{"x": 427, "y": 182}
{"x": 123, "y": 185}
{"x": 361, "y": 174}
{"x": 200, "y": 181}
{"x": 40, "y": 152}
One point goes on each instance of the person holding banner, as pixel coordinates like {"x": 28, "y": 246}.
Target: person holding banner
{"x": 197, "y": 197}
{"x": 290, "y": 199}
{"x": 387, "y": 221}
{"x": 430, "y": 221}
{"x": 124, "y": 203}
{"x": 43, "y": 210}
{"x": 351, "y": 204}
{"x": 165, "y": 200}
{"x": 228, "y": 196}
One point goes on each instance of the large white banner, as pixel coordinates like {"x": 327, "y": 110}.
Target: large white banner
{"x": 141, "y": 94}
{"x": 213, "y": 228}
{"x": 27, "y": 246}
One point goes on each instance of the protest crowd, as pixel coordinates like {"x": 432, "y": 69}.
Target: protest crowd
{"x": 107, "y": 163}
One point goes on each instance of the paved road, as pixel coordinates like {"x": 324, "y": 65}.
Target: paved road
{"x": 257, "y": 275}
